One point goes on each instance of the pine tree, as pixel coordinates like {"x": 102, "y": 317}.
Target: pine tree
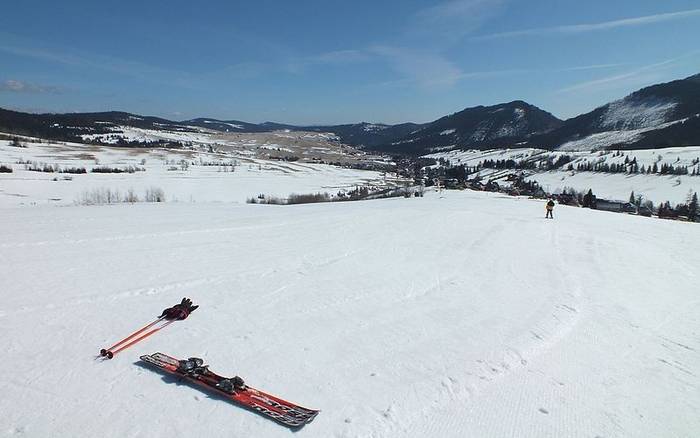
{"x": 693, "y": 211}
{"x": 632, "y": 198}
{"x": 589, "y": 199}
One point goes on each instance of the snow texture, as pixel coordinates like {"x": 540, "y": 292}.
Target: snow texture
{"x": 629, "y": 114}
{"x": 233, "y": 125}
{"x": 372, "y": 127}
{"x": 461, "y": 315}
{"x": 214, "y": 183}
{"x": 602, "y": 140}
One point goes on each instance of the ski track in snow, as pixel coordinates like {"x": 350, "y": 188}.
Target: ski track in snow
{"x": 462, "y": 315}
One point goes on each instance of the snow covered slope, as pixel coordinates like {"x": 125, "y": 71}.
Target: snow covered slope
{"x": 468, "y": 315}
{"x": 661, "y": 115}
{"x": 654, "y": 187}
{"x": 201, "y": 181}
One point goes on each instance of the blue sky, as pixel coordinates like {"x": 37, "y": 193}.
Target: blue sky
{"x": 330, "y": 61}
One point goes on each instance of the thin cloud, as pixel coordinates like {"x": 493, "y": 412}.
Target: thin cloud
{"x": 591, "y": 67}
{"x": 336, "y": 57}
{"x": 517, "y": 71}
{"x": 600, "y": 83}
{"x": 340, "y": 57}
{"x": 15, "y": 86}
{"x": 643, "y": 74}
{"x": 455, "y": 18}
{"x": 427, "y": 69}
{"x": 593, "y": 27}
{"x": 97, "y": 62}
{"x": 457, "y": 76}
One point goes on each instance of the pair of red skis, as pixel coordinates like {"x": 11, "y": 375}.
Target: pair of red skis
{"x": 280, "y": 410}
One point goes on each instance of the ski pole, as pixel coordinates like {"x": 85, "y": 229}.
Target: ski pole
{"x": 104, "y": 351}
{"x": 110, "y": 353}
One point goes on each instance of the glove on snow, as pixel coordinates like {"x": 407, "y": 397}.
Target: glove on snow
{"x": 179, "y": 311}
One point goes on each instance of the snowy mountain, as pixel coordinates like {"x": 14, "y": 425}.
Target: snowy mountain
{"x": 369, "y": 135}
{"x": 661, "y": 115}
{"x": 478, "y": 127}
{"x": 75, "y": 126}
{"x": 80, "y": 126}
{"x": 657, "y": 116}
{"x": 225, "y": 126}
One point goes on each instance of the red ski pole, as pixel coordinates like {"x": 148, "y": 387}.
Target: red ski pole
{"x": 104, "y": 351}
{"x": 110, "y": 353}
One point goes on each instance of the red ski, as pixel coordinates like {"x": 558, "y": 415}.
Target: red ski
{"x": 234, "y": 389}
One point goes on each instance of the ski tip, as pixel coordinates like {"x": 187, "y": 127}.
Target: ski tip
{"x": 103, "y": 352}
{"x": 109, "y": 355}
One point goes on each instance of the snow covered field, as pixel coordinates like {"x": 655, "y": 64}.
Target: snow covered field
{"x": 466, "y": 315}
{"x": 617, "y": 186}
{"x": 198, "y": 183}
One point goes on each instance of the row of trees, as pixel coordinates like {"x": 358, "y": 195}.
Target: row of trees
{"x": 34, "y": 166}
{"x": 633, "y": 167}
{"x": 689, "y": 210}
{"x": 16, "y": 143}
{"x": 550, "y": 163}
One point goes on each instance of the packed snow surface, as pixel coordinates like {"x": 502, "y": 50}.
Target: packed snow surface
{"x": 461, "y": 315}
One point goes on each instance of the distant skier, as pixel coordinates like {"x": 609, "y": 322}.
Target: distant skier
{"x": 550, "y": 209}
{"x": 179, "y": 311}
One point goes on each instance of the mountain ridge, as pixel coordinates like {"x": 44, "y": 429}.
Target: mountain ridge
{"x": 660, "y": 115}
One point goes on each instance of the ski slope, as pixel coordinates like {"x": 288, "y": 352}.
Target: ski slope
{"x": 461, "y": 315}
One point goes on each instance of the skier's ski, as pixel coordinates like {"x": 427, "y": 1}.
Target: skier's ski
{"x": 282, "y": 411}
